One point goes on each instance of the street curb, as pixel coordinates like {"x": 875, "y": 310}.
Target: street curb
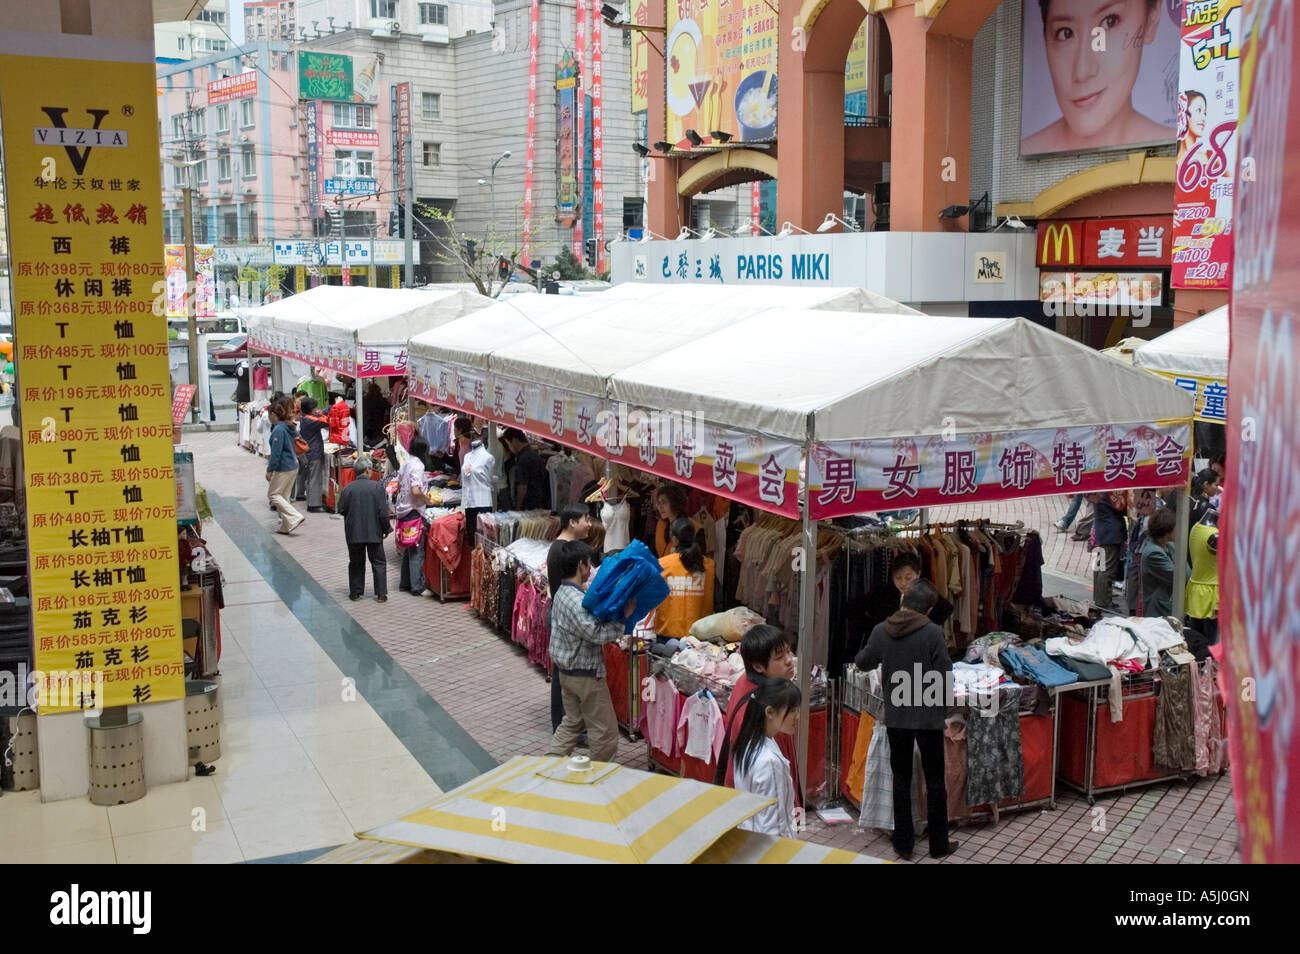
{"x": 201, "y": 426}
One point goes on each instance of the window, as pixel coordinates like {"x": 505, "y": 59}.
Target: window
{"x": 383, "y": 8}
{"x": 200, "y": 123}
{"x": 248, "y": 162}
{"x": 432, "y": 103}
{"x": 223, "y": 167}
{"x": 223, "y": 118}
{"x": 434, "y": 13}
{"x": 245, "y": 113}
{"x": 201, "y": 173}
{"x": 433, "y": 154}
{"x": 178, "y": 127}
{"x": 229, "y": 224}
{"x": 180, "y": 43}
{"x": 354, "y": 164}
{"x": 353, "y": 117}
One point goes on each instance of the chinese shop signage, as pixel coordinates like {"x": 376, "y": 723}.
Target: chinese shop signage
{"x": 82, "y": 181}
{"x": 1105, "y": 243}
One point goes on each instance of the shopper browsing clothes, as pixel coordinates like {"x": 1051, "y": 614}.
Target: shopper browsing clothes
{"x": 760, "y": 767}
{"x": 575, "y": 524}
{"x": 1109, "y": 533}
{"x": 313, "y": 427}
{"x": 530, "y": 484}
{"x": 411, "y": 505}
{"x": 768, "y": 657}
{"x": 282, "y": 467}
{"x": 915, "y": 662}
{"x": 577, "y": 649}
{"x": 1158, "y": 565}
{"x": 364, "y": 507}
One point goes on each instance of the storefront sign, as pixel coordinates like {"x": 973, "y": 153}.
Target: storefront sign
{"x": 1206, "y": 163}
{"x": 401, "y": 135}
{"x": 315, "y": 168}
{"x": 864, "y": 476}
{"x": 351, "y": 137}
{"x": 326, "y": 76}
{"x": 566, "y": 82}
{"x": 85, "y": 227}
{"x": 640, "y": 59}
{"x": 721, "y": 68}
{"x": 244, "y": 254}
{"x": 990, "y": 268}
{"x": 239, "y": 86}
{"x": 205, "y": 281}
{"x": 597, "y": 135}
{"x": 1123, "y": 99}
{"x": 354, "y": 186}
{"x": 1211, "y": 395}
{"x": 1103, "y": 289}
{"x": 1259, "y": 615}
{"x": 1105, "y": 243}
{"x": 351, "y": 252}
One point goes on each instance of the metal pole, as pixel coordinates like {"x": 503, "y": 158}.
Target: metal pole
{"x": 1180, "y": 557}
{"x": 807, "y": 597}
{"x": 410, "y": 217}
{"x": 192, "y": 325}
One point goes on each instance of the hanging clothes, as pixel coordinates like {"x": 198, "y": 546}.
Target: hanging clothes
{"x": 700, "y": 729}
{"x": 1173, "y": 744}
{"x": 995, "y": 766}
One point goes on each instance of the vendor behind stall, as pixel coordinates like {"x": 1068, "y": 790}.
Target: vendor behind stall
{"x": 906, "y": 570}
{"x": 690, "y": 577}
{"x": 375, "y": 412}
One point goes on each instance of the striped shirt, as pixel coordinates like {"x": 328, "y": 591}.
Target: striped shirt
{"x": 577, "y": 637}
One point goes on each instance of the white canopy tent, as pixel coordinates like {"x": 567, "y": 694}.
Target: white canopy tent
{"x": 1198, "y": 348}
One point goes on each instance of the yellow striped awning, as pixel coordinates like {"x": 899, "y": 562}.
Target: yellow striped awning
{"x": 750, "y": 848}
{"x": 538, "y": 809}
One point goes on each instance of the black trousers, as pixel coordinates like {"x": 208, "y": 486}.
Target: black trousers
{"x": 930, "y": 742}
{"x": 357, "y": 553}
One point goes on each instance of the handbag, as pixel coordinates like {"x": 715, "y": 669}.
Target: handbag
{"x": 300, "y": 446}
{"x": 409, "y": 530}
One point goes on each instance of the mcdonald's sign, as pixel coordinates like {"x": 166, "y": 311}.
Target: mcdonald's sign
{"x": 1059, "y": 243}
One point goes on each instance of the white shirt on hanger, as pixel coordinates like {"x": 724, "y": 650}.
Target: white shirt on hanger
{"x": 476, "y": 477}
{"x": 617, "y": 520}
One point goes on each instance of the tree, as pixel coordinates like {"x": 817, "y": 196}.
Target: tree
{"x": 570, "y": 269}
{"x": 477, "y": 258}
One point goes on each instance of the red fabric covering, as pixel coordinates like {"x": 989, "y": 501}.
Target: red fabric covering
{"x": 444, "y": 546}
{"x": 1036, "y": 746}
{"x": 338, "y": 418}
{"x": 1123, "y": 748}
{"x": 616, "y": 676}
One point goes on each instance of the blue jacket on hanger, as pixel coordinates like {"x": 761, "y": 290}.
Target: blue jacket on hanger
{"x": 633, "y": 573}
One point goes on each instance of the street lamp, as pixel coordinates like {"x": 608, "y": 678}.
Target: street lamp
{"x": 493, "y": 182}
{"x": 192, "y": 325}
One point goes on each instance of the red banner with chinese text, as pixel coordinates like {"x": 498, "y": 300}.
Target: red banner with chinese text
{"x": 597, "y": 137}
{"x": 533, "y": 18}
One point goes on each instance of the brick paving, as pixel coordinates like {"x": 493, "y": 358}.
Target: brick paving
{"x": 488, "y": 686}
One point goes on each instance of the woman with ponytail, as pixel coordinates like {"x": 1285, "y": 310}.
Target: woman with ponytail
{"x": 690, "y": 583}
{"x": 760, "y": 768}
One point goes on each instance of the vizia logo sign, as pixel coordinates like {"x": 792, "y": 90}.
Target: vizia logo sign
{"x": 60, "y": 134}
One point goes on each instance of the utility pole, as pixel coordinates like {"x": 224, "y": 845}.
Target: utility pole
{"x": 409, "y": 231}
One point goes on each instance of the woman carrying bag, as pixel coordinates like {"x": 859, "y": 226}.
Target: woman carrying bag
{"x": 411, "y": 504}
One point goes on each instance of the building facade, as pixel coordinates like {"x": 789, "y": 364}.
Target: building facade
{"x": 269, "y": 20}
{"x": 207, "y": 33}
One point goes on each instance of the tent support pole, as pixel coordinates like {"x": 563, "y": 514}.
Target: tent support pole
{"x": 277, "y": 374}
{"x": 361, "y": 437}
{"x": 1181, "y": 534}
{"x": 807, "y": 600}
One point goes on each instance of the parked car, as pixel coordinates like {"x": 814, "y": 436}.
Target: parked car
{"x": 224, "y": 356}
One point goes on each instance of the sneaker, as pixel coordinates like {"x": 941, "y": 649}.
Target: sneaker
{"x": 382, "y": 598}
{"x": 355, "y": 599}
{"x": 295, "y": 525}
{"x": 1061, "y": 526}
{"x": 952, "y": 847}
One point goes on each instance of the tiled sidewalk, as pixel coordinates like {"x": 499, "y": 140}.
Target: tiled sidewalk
{"x": 487, "y": 685}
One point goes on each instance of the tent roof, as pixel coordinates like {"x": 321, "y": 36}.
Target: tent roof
{"x": 872, "y": 376}
{"x": 698, "y": 297}
{"x": 469, "y": 341}
{"x": 1199, "y": 347}
{"x": 375, "y": 316}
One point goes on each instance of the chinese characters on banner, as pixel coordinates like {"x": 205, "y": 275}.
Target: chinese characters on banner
{"x": 1258, "y": 611}
{"x": 755, "y": 207}
{"x": 640, "y": 59}
{"x": 205, "y": 281}
{"x": 1118, "y": 243}
{"x": 1206, "y": 162}
{"x": 315, "y": 167}
{"x": 342, "y": 355}
{"x": 96, "y": 397}
{"x": 1211, "y": 395}
{"x": 597, "y": 135}
{"x": 525, "y": 254}
{"x": 580, "y": 109}
{"x": 401, "y": 133}
{"x": 229, "y": 88}
{"x": 565, "y": 89}
{"x": 864, "y": 476}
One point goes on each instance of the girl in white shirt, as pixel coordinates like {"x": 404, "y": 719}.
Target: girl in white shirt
{"x": 760, "y": 768}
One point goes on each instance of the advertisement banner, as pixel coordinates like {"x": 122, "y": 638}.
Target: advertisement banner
{"x": 96, "y": 398}
{"x": 232, "y": 87}
{"x": 325, "y": 76}
{"x": 1094, "y": 78}
{"x": 402, "y": 131}
{"x": 1103, "y": 289}
{"x": 1259, "y": 614}
{"x": 566, "y": 119}
{"x": 1206, "y": 163}
{"x": 351, "y": 137}
{"x": 315, "y": 168}
{"x": 722, "y": 65}
{"x": 352, "y": 252}
{"x": 1211, "y": 395}
{"x": 529, "y": 143}
{"x": 855, "y": 79}
{"x": 738, "y": 465}
{"x": 580, "y": 109}
{"x": 597, "y": 138}
{"x": 755, "y": 207}
{"x": 865, "y": 476}
{"x": 205, "y": 280}
{"x": 640, "y": 58}
{"x": 1119, "y": 243}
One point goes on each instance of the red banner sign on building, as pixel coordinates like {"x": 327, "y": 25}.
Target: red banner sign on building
{"x": 534, "y": 16}
{"x": 580, "y": 110}
{"x": 597, "y": 135}
{"x": 1101, "y": 243}
{"x": 755, "y": 206}
{"x": 232, "y": 87}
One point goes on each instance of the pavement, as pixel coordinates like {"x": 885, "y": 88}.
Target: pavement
{"x": 502, "y": 702}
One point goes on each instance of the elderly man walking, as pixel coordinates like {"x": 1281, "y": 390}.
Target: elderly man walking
{"x": 364, "y": 508}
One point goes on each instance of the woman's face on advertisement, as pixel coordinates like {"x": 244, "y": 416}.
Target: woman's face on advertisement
{"x": 1093, "y": 75}
{"x": 1196, "y": 116}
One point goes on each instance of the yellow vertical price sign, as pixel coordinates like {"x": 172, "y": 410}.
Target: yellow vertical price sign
{"x": 86, "y": 257}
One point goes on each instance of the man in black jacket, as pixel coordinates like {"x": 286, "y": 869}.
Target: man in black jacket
{"x": 364, "y": 507}
{"x": 916, "y": 680}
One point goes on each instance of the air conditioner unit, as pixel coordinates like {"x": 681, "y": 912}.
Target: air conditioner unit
{"x": 395, "y": 28}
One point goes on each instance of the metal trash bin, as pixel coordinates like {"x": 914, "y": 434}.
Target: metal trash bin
{"x": 202, "y": 720}
{"x": 116, "y": 760}
{"x": 25, "y": 773}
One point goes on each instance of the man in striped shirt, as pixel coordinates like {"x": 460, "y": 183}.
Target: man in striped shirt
{"x": 577, "y": 649}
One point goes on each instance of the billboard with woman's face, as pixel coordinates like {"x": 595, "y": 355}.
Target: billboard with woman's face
{"x": 1098, "y": 74}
